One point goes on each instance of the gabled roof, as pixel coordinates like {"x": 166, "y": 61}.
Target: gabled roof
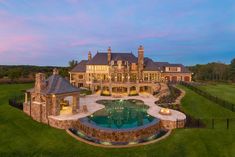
{"x": 162, "y": 65}
{"x": 56, "y": 84}
{"x": 101, "y": 58}
{"x": 149, "y": 65}
{"x": 80, "y": 67}
{"x": 130, "y": 57}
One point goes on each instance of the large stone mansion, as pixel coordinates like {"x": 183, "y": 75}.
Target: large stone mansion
{"x": 124, "y": 72}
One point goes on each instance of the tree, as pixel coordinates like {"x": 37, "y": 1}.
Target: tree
{"x": 232, "y": 70}
{"x": 64, "y": 72}
{"x": 212, "y": 71}
{"x": 14, "y": 73}
{"x": 73, "y": 63}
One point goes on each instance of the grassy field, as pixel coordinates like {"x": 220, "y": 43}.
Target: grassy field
{"x": 223, "y": 91}
{"x": 21, "y": 136}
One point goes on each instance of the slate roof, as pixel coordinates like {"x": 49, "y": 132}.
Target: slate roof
{"x": 149, "y": 65}
{"x": 162, "y": 66}
{"x": 56, "y": 84}
{"x": 80, "y": 67}
{"x": 130, "y": 57}
{"x": 101, "y": 58}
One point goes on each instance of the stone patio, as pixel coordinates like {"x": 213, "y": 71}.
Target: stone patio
{"x": 168, "y": 121}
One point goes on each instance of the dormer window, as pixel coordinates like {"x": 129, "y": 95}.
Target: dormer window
{"x": 133, "y": 66}
{"x": 173, "y": 69}
{"x": 119, "y": 63}
{"x": 112, "y": 63}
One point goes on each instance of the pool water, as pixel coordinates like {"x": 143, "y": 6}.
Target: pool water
{"x": 121, "y": 114}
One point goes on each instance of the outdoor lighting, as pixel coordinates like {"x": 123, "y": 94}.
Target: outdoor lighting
{"x": 165, "y": 111}
{"x": 106, "y": 143}
{"x": 134, "y": 142}
{"x": 92, "y": 115}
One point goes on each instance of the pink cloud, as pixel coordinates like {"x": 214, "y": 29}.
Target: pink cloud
{"x": 17, "y": 37}
{"x": 18, "y": 43}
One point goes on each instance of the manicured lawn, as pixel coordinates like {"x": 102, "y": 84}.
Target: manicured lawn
{"x": 223, "y": 91}
{"x": 21, "y": 136}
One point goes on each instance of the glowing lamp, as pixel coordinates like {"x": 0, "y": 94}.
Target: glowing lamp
{"x": 165, "y": 111}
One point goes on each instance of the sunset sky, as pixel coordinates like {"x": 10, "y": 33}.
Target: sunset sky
{"x": 52, "y": 32}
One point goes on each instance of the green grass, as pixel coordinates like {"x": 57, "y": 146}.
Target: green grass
{"x": 21, "y": 136}
{"x": 223, "y": 91}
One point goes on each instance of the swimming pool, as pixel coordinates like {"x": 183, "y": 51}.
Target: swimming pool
{"x": 121, "y": 114}
{"x": 121, "y": 121}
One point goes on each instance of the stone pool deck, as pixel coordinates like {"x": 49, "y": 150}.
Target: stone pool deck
{"x": 175, "y": 120}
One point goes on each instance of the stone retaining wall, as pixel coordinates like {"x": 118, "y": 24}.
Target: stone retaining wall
{"x": 26, "y": 108}
{"x": 167, "y": 124}
{"x": 61, "y": 124}
{"x": 117, "y": 136}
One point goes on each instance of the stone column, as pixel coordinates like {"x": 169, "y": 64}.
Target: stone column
{"x": 55, "y": 106}
{"x": 128, "y": 89}
{"x": 26, "y": 97}
{"x": 110, "y": 89}
{"x": 70, "y": 79}
{"x": 101, "y": 86}
{"x": 75, "y": 106}
{"x": 138, "y": 89}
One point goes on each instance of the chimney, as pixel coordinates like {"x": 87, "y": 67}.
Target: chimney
{"x": 55, "y": 71}
{"x": 40, "y": 83}
{"x": 89, "y": 56}
{"x": 109, "y": 55}
{"x": 140, "y": 61}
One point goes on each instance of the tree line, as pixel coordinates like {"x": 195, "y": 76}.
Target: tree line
{"x": 214, "y": 71}
{"x": 14, "y": 73}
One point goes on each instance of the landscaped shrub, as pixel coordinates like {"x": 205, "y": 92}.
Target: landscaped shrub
{"x": 85, "y": 92}
{"x": 17, "y": 101}
{"x": 174, "y": 94}
{"x": 105, "y": 93}
{"x": 133, "y": 93}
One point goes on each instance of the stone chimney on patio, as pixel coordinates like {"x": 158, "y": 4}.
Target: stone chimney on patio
{"x": 40, "y": 83}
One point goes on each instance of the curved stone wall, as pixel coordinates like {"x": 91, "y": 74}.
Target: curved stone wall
{"x": 120, "y": 135}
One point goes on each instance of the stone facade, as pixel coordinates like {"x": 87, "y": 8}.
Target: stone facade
{"x": 48, "y": 98}
{"x": 112, "y": 72}
{"x": 61, "y": 124}
{"x": 167, "y": 124}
